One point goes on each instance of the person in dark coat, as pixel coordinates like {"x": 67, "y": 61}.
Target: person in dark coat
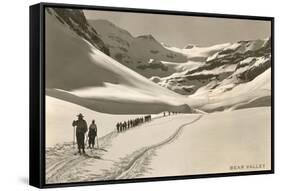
{"x": 125, "y": 126}
{"x": 81, "y": 129}
{"x": 120, "y": 127}
{"x": 117, "y": 127}
{"x": 128, "y": 124}
{"x": 92, "y": 134}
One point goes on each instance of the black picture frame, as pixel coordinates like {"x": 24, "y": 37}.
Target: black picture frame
{"x": 37, "y": 94}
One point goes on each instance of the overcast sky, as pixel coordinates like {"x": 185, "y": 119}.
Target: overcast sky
{"x": 182, "y": 30}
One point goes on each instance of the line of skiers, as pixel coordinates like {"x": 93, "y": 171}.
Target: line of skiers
{"x": 125, "y": 125}
{"x": 81, "y": 129}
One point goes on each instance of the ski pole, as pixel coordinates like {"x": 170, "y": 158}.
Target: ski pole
{"x": 98, "y": 142}
{"x": 73, "y": 136}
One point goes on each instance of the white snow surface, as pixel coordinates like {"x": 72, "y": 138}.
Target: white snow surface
{"x": 200, "y": 53}
{"x": 214, "y": 144}
{"x": 174, "y": 145}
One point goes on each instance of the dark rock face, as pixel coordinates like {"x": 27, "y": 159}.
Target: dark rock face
{"x": 232, "y": 56}
{"x": 253, "y": 71}
{"x": 249, "y": 58}
{"x": 77, "y": 21}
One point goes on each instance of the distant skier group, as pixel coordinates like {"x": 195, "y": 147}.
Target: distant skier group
{"x": 125, "y": 125}
{"x": 169, "y": 113}
{"x": 81, "y": 129}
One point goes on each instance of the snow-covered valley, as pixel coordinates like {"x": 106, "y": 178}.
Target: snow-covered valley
{"x": 187, "y": 143}
{"x": 210, "y": 106}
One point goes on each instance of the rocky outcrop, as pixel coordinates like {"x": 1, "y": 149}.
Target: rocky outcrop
{"x": 241, "y": 62}
{"x": 77, "y": 21}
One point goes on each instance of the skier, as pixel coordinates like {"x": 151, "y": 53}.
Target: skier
{"x": 125, "y": 126}
{"x": 128, "y": 124}
{"x": 81, "y": 129}
{"x": 117, "y": 126}
{"x": 120, "y": 126}
{"x": 92, "y": 134}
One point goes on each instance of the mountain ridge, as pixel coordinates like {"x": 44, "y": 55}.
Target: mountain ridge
{"x": 92, "y": 79}
{"x": 200, "y": 77}
{"x": 136, "y": 52}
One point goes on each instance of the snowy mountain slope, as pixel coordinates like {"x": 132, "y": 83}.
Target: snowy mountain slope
{"x": 253, "y": 93}
{"x": 136, "y": 52}
{"x": 237, "y": 63}
{"x": 79, "y": 73}
{"x": 114, "y": 36}
{"x": 207, "y": 74}
{"x": 256, "y": 102}
{"x": 245, "y": 71}
{"x": 201, "y": 54}
{"x": 76, "y": 21}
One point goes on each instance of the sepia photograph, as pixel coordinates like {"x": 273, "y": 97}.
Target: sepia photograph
{"x": 131, "y": 95}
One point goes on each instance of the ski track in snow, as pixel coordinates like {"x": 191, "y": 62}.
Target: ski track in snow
{"x": 56, "y": 170}
{"x": 129, "y": 167}
{"x": 136, "y": 164}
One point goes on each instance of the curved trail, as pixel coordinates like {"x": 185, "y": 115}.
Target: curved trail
{"x": 121, "y": 169}
{"x": 145, "y": 151}
{"x": 131, "y": 161}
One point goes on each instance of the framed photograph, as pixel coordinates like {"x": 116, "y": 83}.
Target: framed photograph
{"x": 121, "y": 95}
